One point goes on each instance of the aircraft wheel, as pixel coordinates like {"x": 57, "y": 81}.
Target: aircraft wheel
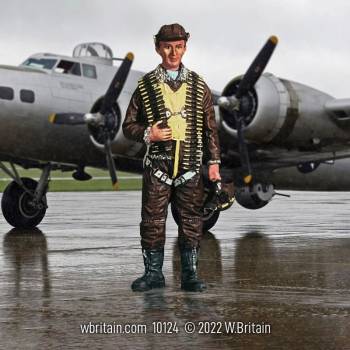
{"x": 18, "y": 206}
{"x": 255, "y": 196}
{"x": 209, "y": 218}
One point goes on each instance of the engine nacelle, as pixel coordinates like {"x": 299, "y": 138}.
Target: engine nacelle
{"x": 282, "y": 112}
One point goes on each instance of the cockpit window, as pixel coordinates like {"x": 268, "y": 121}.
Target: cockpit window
{"x": 89, "y": 71}
{"x": 68, "y": 67}
{"x": 43, "y": 63}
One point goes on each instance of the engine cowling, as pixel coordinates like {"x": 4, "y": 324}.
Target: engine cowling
{"x": 281, "y": 112}
{"x": 264, "y": 109}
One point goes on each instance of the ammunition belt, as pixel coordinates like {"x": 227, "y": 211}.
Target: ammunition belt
{"x": 192, "y": 147}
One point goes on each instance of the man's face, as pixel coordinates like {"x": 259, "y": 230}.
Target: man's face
{"x": 171, "y": 53}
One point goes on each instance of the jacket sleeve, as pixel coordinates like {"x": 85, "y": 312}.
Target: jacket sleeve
{"x": 135, "y": 123}
{"x": 210, "y": 128}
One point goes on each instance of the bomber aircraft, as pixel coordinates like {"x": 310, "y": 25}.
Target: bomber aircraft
{"x": 61, "y": 112}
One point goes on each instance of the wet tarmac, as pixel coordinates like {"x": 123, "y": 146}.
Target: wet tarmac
{"x": 278, "y": 278}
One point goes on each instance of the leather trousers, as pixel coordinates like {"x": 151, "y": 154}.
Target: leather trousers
{"x": 156, "y": 196}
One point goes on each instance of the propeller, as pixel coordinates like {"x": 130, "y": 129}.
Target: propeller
{"x": 232, "y": 103}
{"x": 105, "y": 117}
{"x": 67, "y": 118}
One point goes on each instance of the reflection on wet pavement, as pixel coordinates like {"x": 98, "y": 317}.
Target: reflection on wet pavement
{"x": 286, "y": 266}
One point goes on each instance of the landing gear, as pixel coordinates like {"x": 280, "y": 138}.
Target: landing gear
{"x": 255, "y": 196}
{"x": 23, "y": 202}
{"x": 19, "y": 207}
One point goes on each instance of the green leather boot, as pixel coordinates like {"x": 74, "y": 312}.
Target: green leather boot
{"x": 189, "y": 278}
{"x": 153, "y": 276}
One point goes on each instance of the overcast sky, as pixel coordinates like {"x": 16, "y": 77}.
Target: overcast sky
{"x": 314, "y": 35}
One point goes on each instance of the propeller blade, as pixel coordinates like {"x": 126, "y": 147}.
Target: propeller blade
{"x": 67, "y": 118}
{"x": 111, "y": 165}
{"x": 243, "y": 151}
{"x": 117, "y": 83}
{"x": 257, "y": 67}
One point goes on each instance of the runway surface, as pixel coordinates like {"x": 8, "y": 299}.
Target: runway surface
{"x": 278, "y": 278}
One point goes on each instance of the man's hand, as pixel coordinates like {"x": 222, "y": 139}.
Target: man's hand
{"x": 214, "y": 173}
{"x": 159, "y": 134}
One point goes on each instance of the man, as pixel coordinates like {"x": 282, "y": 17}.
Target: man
{"x": 172, "y": 112}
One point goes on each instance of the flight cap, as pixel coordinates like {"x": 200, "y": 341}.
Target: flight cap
{"x": 171, "y": 32}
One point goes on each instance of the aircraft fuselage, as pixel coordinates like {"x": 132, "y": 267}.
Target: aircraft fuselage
{"x": 25, "y": 131}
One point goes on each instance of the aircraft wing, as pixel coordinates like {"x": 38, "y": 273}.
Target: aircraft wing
{"x": 277, "y": 158}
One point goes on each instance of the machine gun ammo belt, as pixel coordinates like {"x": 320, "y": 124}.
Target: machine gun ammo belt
{"x": 154, "y": 106}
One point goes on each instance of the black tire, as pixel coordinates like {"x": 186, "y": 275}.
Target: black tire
{"x": 208, "y": 221}
{"x": 16, "y": 208}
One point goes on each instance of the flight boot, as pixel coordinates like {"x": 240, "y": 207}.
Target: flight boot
{"x": 153, "y": 276}
{"x": 189, "y": 278}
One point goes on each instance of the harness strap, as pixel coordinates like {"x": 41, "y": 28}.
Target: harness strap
{"x": 162, "y": 176}
{"x": 165, "y": 178}
{"x": 184, "y": 178}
